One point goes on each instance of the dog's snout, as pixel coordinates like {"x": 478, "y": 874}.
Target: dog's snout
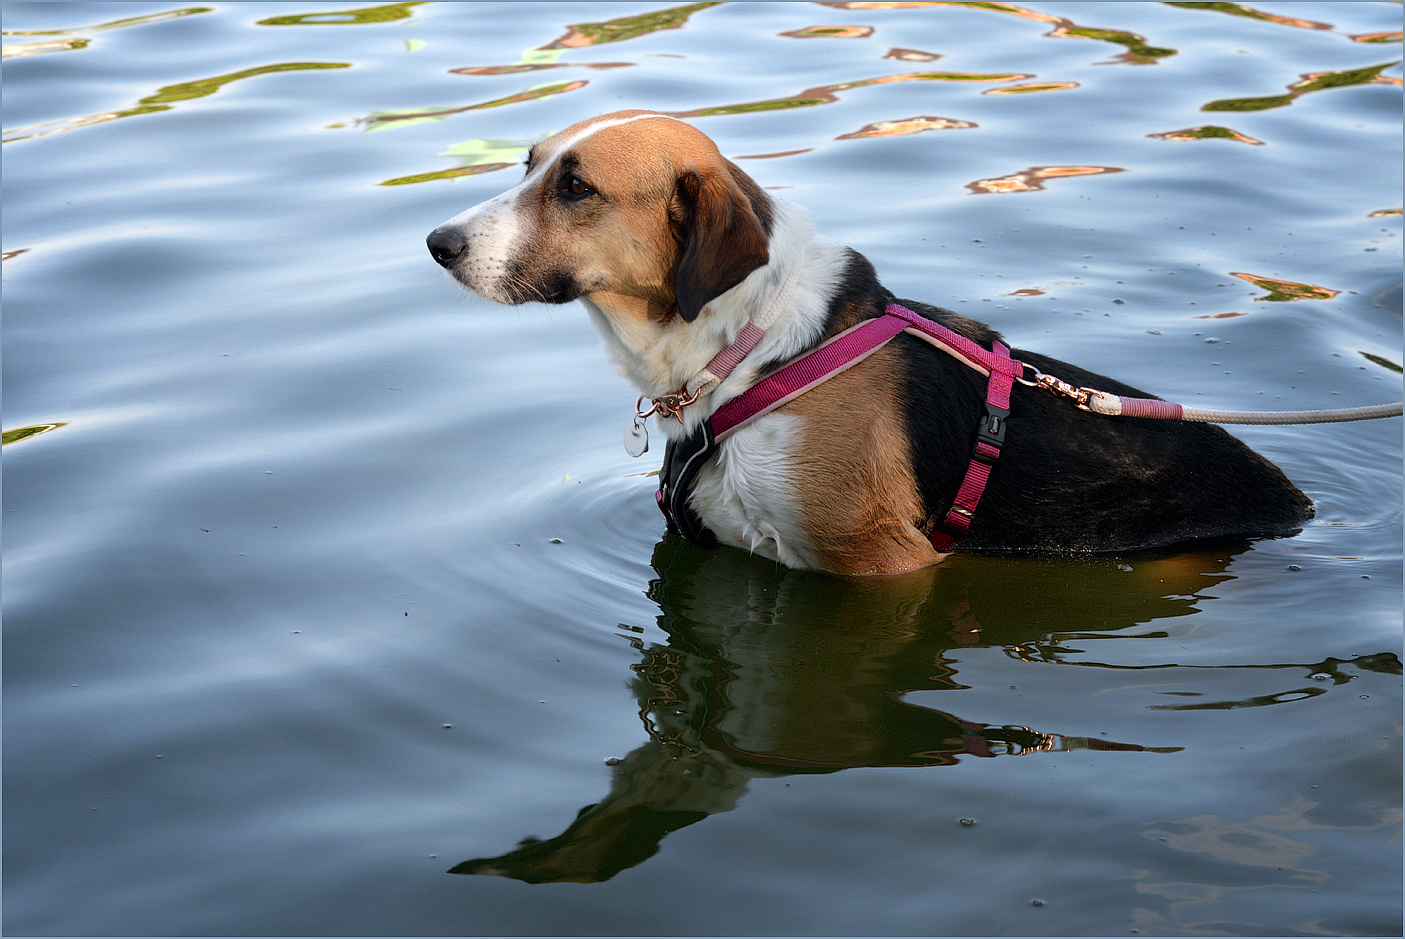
{"x": 446, "y": 245}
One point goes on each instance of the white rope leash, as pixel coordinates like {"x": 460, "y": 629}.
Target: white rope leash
{"x": 1330, "y": 416}
{"x": 1102, "y": 402}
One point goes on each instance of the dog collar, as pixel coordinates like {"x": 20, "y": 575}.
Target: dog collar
{"x": 636, "y": 438}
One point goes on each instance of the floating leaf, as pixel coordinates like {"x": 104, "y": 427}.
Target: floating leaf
{"x": 1138, "y": 52}
{"x": 39, "y": 48}
{"x": 1312, "y": 81}
{"x": 912, "y": 125}
{"x": 476, "y": 156}
{"x": 1395, "y": 36}
{"x": 478, "y": 151}
{"x": 545, "y": 56}
{"x": 446, "y": 174}
{"x": 162, "y": 100}
{"x": 113, "y": 24}
{"x": 826, "y": 94}
{"x": 23, "y": 433}
{"x": 385, "y": 120}
{"x": 831, "y": 32}
{"x": 382, "y": 14}
{"x": 768, "y": 156}
{"x": 1249, "y": 104}
{"x": 73, "y": 123}
{"x": 627, "y": 27}
{"x": 186, "y": 91}
{"x": 1378, "y": 359}
{"x": 1031, "y": 87}
{"x": 1318, "y": 81}
{"x": 535, "y": 60}
{"x": 406, "y": 117}
{"x": 912, "y": 55}
{"x": 1206, "y": 132}
{"x": 1033, "y": 178}
{"x": 1235, "y": 9}
{"x": 1284, "y": 290}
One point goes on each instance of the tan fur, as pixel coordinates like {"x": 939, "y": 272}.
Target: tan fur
{"x": 853, "y": 473}
{"x": 623, "y": 253}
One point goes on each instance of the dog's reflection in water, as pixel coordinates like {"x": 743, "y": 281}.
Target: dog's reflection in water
{"x": 771, "y": 672}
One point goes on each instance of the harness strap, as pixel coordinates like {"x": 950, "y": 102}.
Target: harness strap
{"x": 683, "y": 459}
{"x": 990, "y": 438}
{"x": 827, "y": 360}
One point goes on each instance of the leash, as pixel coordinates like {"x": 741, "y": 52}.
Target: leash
{"x": 1102, "y": 402}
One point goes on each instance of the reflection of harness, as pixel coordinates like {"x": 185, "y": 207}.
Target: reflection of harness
{"x": 684, "y": 458}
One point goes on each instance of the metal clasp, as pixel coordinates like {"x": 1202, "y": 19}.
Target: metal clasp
{"x": 669, "y": 405}
{"x": 1061, "y": 388}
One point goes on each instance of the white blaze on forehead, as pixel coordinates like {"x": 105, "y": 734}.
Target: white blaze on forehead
{"x": 502, "y": 203}
{"x": 589, "y": 130}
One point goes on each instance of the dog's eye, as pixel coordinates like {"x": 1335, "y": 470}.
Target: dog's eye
{"x": 575, "y": 187}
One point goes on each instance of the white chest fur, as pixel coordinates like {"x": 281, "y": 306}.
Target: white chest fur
{"x": 745, "y": 492}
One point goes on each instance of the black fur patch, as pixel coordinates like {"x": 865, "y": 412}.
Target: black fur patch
{"x": 724, "y": 240}
{"x": 552, "y": 286}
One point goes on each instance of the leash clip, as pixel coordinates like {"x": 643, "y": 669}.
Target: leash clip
{"x": 669, "y": 405}
{"x": 1063, "y": 389}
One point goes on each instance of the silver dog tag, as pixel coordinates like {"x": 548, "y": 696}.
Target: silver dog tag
{"x": 636, "y": 439}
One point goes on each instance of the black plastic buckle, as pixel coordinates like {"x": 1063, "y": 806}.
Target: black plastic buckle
{"x": 992, "y": 430}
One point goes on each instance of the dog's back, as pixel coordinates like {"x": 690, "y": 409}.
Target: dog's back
{"x": 1072, "y": 481}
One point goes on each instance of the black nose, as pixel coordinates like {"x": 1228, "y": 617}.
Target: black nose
{"x": 446, "y": 245}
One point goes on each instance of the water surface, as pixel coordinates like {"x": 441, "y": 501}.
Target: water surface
{"x": 334, "y": 606}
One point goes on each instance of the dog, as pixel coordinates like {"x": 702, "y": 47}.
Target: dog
{"x": 676, "y": 253}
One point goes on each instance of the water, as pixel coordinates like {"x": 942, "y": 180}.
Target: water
{"x": 327, "y": 579}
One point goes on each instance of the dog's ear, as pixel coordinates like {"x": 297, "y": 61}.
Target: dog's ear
{"x": 722, "y": 238}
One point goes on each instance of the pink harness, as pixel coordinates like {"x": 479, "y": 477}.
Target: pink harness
{"x": 834, "y": 356}
{"x": 684, "y": 458}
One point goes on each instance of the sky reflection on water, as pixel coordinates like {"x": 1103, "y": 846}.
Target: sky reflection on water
{"x": 322, "y": 579}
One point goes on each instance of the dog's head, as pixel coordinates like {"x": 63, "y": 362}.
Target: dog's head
{"x": 636, "y": 211}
